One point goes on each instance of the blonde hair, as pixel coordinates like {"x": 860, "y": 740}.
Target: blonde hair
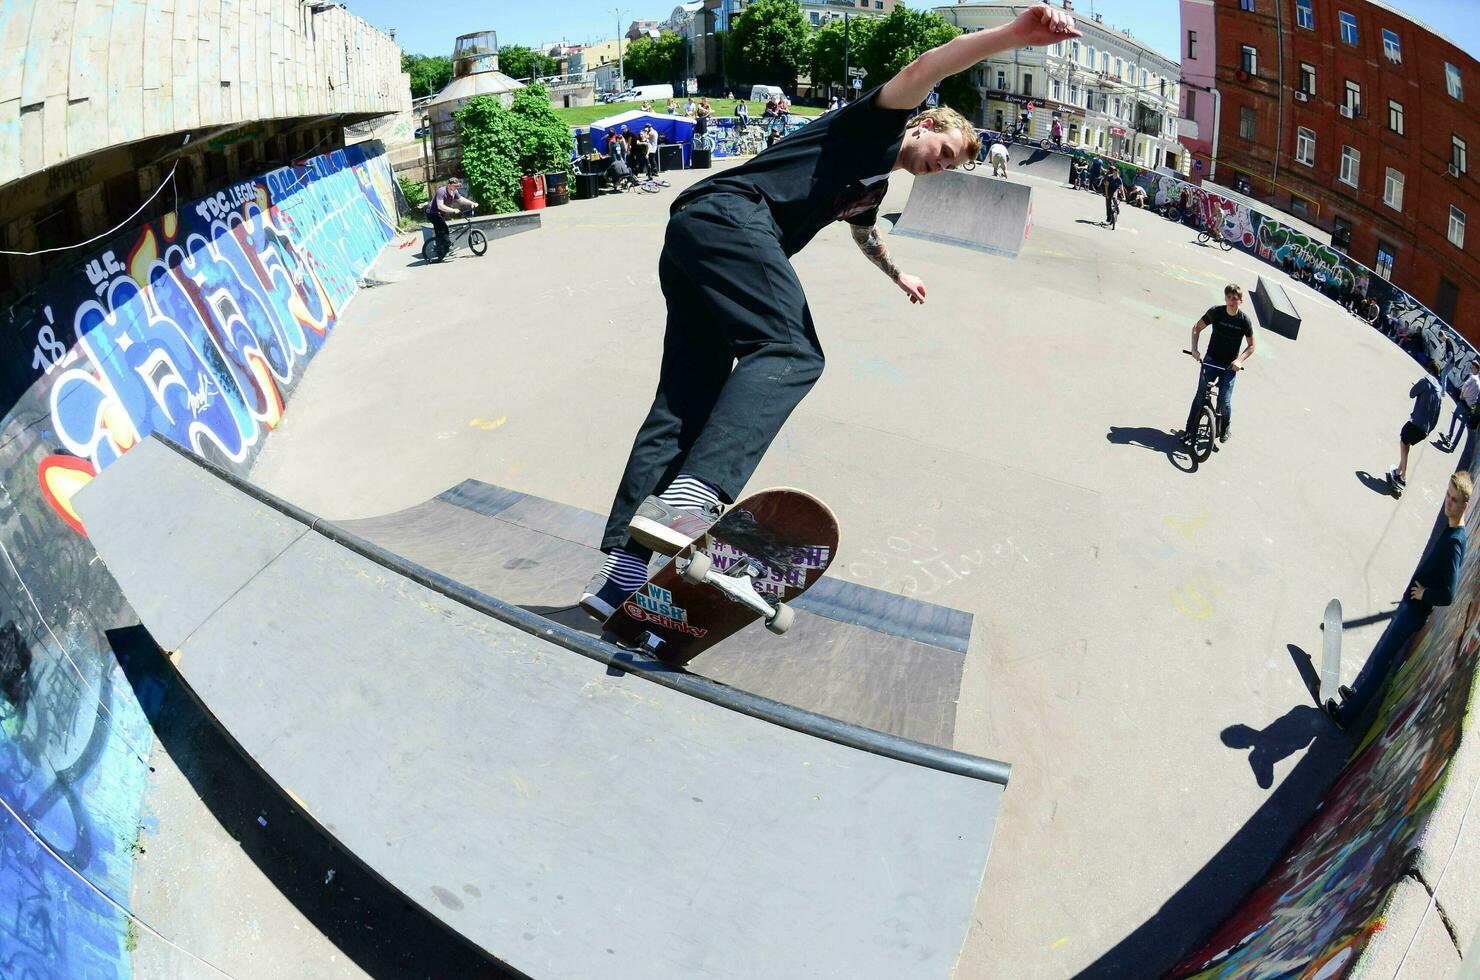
{"x": 944, "y": 118}
{"x": 1461, "y": 481}
{"x": 1235, "y": 289}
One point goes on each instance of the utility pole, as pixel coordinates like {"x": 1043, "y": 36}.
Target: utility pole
{"x": 847, "y": 31}
{"x": 621, "y": 64}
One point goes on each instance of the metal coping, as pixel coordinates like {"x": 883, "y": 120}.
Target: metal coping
{"x": 843, "y": 602}
{"x": 775, "y": 712}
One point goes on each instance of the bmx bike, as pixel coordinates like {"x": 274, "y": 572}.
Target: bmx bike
{"x": 1202, "y": 441}
{"x": 437, "y": 249}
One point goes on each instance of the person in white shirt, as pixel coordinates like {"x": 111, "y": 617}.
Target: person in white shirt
{"x": 1466, "y": 407}
{"x": 998, "y": 155}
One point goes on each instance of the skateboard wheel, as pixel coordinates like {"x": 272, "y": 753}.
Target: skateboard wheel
{"x": 780, "y": 621}
{"x": 698, "y": 566}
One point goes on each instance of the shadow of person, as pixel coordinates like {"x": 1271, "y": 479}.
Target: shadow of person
{"x": 1086, "y": 221}
{"x": 1156, "y": 440}
{"x": 1377, "y": 484}
{"x": 1300, "y": 726}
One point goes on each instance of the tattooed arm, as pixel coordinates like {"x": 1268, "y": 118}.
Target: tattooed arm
{"x": 867, "y": 240}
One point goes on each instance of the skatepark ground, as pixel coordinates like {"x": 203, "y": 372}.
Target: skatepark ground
{"x": 1142, "y": 624}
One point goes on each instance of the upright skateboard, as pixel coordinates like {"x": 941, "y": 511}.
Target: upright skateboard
{"x": 766, "y": 549}
{"x": 1331, "y": 653}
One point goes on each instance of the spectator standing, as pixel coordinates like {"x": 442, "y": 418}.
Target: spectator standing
{"x": 1466, "y": 406}
{"x": 649, "y": 136}
{"x": 1428, "y": 401}
{"x": 1433, "y": 585}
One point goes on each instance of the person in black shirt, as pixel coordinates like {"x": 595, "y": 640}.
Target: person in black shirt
{"x": 1229, "y": 325}
{"x": 1433, "y": 585}
{"x": 1113, "y": 187}
{"x": 740, "y": 349}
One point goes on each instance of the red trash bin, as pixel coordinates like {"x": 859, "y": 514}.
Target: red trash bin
{"x": 534, "y": 192}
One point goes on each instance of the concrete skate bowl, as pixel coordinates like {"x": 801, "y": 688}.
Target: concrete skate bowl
{"x": 198, "y": 325}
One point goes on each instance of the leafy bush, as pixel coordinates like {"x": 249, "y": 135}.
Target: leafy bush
{"x": 499, "y": 146}
{"x": 415, "y": 193}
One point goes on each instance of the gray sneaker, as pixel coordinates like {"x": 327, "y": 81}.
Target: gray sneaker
{"x": 667, "y": 529}
{"x": 601, "y": 597}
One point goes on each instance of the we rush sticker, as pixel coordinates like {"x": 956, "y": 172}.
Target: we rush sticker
{"x": 803, "y": 560}
{"x": 655, "y": 605}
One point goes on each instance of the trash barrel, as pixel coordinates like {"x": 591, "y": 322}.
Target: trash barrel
{"x": 588, "y": 186}
{"x": 534, "y": 192}
{"x": 699, "y": 159}
{"x": 557, "y": 190}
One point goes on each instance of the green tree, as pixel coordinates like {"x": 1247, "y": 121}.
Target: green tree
{"x": 656, "y": 61}
{"x": 517, "y": 61}
{"x": 902, "y": 37}
{"x": 429, "y": 73}
{"x": 771, "y": 43}
{"x": 499, "y": 146}
{"x": 826, "y": 64}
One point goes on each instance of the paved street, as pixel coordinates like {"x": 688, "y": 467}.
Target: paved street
{"x": 1004, "y": 450}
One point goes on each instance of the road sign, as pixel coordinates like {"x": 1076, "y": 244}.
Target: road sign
{"x": 933, "y": 99}
{"x": 858, "y": 83}
{"x": 857, "y": 72}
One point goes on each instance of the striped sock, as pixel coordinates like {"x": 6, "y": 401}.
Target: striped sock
{"x": 627, "y": 568}
{"x": 689, "y": 493}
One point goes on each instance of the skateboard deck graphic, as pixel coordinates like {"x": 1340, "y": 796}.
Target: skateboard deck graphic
{"x": 1331, "y": 652}
{"x": 784, "y": 539}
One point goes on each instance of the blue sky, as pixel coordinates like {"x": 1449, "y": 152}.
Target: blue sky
{"x": 430, "y": 28}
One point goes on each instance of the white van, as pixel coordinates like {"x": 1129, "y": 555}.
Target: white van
{"x": 760, "y": 93}
{"x": 652, "y": 93}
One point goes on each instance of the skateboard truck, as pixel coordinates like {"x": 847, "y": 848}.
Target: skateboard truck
{"x": 738, "y": 584}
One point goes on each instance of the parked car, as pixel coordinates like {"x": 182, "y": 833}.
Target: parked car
{"x": 760, "y": 93}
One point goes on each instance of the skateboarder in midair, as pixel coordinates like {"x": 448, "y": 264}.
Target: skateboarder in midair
{"x": 739, "y": 349}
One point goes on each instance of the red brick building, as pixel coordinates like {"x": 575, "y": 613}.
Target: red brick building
{"x": 1357, "y": 118}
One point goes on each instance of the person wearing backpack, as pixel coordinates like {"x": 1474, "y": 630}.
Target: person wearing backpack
{"x": 1428, "y": 399}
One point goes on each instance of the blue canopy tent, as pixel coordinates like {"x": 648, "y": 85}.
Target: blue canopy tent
{"x": 673, "y": 129}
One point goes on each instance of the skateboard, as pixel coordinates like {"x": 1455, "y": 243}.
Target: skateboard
{"x": 767, "y": 548}
{"x": 1331, "y": 652}
{"x": 1394, "y": 487}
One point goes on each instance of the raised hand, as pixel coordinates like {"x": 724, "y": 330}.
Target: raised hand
{"x": 1041, "y": 25}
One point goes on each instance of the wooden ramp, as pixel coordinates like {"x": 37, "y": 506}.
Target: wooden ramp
{"x": 569, "y": 810}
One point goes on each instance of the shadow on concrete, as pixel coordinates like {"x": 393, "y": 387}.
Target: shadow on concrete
{"x": 1347, "y": 624}
{"x": 1156, "y": 440}
{"x": 1201, "y": 905}
{"x": 1377, "y": 484}
{"x": 365, "y": 919}
{"x": 1086, "y": 221}
{"x": 1309, "y": 676}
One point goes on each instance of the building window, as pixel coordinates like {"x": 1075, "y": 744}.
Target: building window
{"x": 1163, "y": 88}
{"x": 1074, "y": 47}
{"x": 1304, "y": 15}
{"x": 1351, "y": 162}
{"x": 1117, "y": 107}
{"x": 1247, "y": 5}
{"x": 1250, "y": 60}
{"x": 1458, "y": 155}
{"x": 816, "y": 18}
{"x": 1001, "y": 80}
{"x": 1092, "y": 57}
{"x": 1307, "y": 78}
{"x": 1392, "y": 190}
{"x": 1027, "y": 83}
{"x": 1058, "y": 91}
{"x": 1456, "y": 227}
{"x": 1305, "y": 146}
{"x": 1391, "y": 47}
{"x": 1348, "y": 27}
{"x": 1246, "y": 122}
{"x": 1452, "y": 82}
{"x": 1446, "y": 297}
{"x": 1145, "y": 78}
{"x": 1191, "y": 44}
{"x": 1119, "y": 68}
{"x": 1191, "y": 111}
{"x": 1353, "y": 100}
{"x": 1395, "y": 116}
{"x": 1386, "y": 256}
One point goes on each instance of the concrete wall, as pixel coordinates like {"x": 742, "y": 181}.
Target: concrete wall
{"x": 200, "y": 325}
{"x": 77, "y": 76}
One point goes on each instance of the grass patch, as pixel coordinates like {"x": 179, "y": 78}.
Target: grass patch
{"x": 131, "y": 937}
{"x": 587, "y": 114}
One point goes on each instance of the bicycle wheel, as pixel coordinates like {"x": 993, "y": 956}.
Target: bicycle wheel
{"x": 1225, "y": 243}
{"x": 1204, "y": 435}
{"x": 477, "y": 244}
{"x": 433, "y": 251}
{"x": 650, "y": 186}
{"x": 1173, "y": 214}
{"x": 1203, "y": 237}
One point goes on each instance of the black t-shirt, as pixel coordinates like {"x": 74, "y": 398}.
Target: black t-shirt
{"x": 835, "y": 168}
{"x": 1228, "y": 334}
{"x": 1111, "y": 183}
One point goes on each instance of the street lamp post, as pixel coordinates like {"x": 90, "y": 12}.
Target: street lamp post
{"x": 621, "y": 64}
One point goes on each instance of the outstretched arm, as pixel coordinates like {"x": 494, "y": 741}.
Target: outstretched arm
{"x": 867, "y": 240}
{"x": 1038, "y": 25}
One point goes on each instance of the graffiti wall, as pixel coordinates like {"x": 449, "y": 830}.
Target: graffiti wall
{"x": 198, "y": 325}
{"x": 1320, "y": 905}
{"x": 1293, "y": 250}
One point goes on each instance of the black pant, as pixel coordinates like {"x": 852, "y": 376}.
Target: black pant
{"x": 1111, "y": 206}
{"x": 739, "y": 353}
{"x": 439, "y": 223}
